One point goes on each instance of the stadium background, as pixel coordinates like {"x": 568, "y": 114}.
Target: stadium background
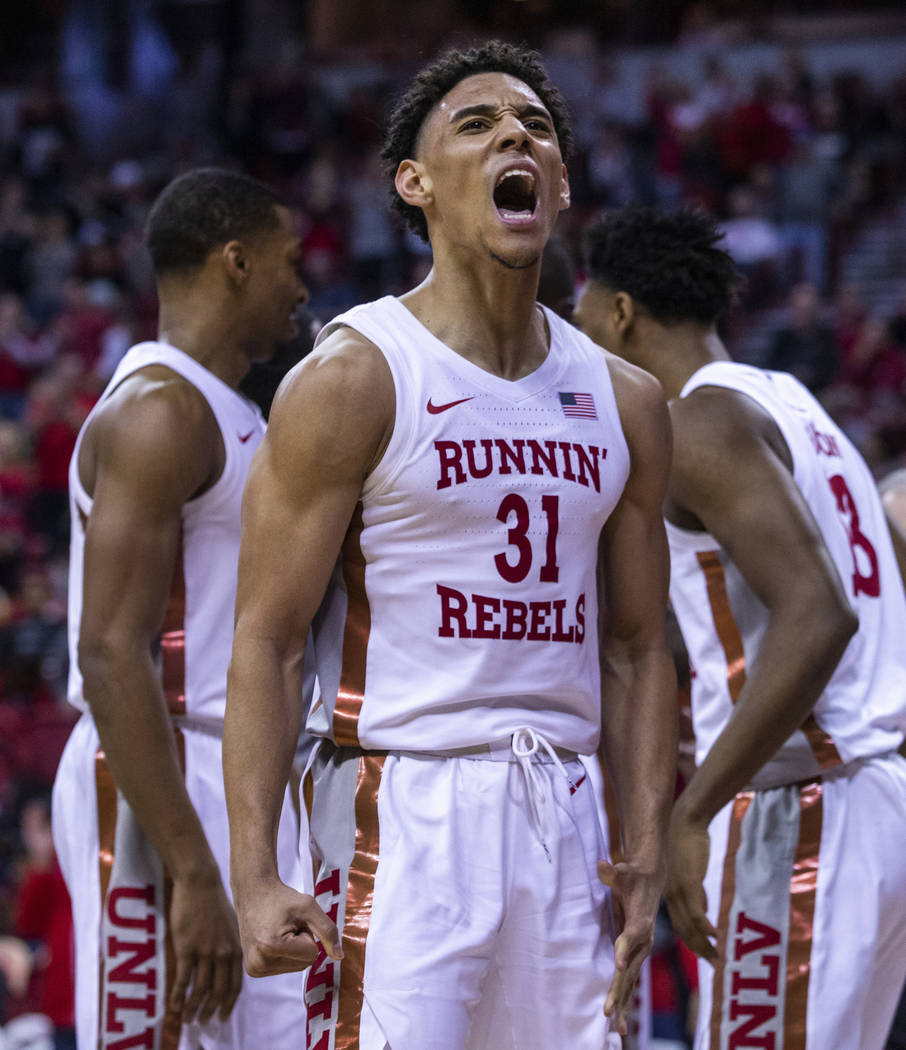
{"x": 788, "y": 122}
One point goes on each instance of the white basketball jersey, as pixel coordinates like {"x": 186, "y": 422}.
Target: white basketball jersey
{"x": 197, "y": 634}
{"x": 464, "y": 603}
{"x": 862, "y": 711}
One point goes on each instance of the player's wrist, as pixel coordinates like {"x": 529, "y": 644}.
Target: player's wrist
{"x": 250, "y": 881}
{"x": 694, "y": 809}
{"x": 194, "y": 870}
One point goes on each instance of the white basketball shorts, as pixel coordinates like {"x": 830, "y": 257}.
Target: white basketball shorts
{"x": 467, "y": 895}
{"x": 807, "y": 888}
{"x": 119, "y": 896}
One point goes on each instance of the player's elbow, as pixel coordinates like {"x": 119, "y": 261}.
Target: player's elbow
{"x": 835, "y": 626}
{"x": 844, "y": 624}
{"x": 100, "y": 658}
{"x": 95, "y": 655}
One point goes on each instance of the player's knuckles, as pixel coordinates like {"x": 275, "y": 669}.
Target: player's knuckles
{"x": 259, "y": 962}
{"x": 226, "y": 954}
{"x": 255, "y": 967}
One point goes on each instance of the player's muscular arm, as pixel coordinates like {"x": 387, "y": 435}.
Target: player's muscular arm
{"x": 328, "y": 427}
{"x": 151, "y": 448}
{"x": 638, "y": 680}
{"x": 730, "y": 471}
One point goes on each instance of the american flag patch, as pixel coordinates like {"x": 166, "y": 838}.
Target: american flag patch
{"x": 578, "y": 406}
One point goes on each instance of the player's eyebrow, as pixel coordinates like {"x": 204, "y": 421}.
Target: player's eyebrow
{"x": 485, "y": 109}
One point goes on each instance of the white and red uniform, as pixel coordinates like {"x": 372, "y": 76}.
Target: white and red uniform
{"x": 453, "y": 827}
{"x": 807, "y": 876}
{"x": 117, "y": 882}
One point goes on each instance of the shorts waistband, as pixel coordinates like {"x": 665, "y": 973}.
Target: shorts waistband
{"x": 196, "y": 724}
{"x": 496, "y": 751}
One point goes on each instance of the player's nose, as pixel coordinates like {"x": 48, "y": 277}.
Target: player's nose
{"x": 512, "y": 134}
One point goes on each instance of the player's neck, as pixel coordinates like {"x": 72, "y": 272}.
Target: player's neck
{"x": 486, "y": 315}
{"x": 206, "y": 336}
{"x": 681, "y": 351}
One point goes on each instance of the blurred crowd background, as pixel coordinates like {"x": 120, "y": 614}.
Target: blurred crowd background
{"x": 788, "y": 123}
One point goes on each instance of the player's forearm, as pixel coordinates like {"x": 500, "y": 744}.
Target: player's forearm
{"x": 263, "y": 718}
{"x": 797, "y": 658}
{"x": 123, "y": 692}
{"x": 639, "y": 744}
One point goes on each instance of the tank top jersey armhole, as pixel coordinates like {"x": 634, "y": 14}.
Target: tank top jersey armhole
{"x": 563, "y": 331}
{"x": 864, "y": 703}
{"x": 393, "y": 328}
{"x": 216, "y": 507}
{"x": 220, "y": 398}
{"x": 756, "y": 384}
{"x": 361, "y": 319}
{"x": 467, "y": 447}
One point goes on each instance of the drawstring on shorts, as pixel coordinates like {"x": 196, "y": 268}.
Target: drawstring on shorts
{"x": 526, "y": 744}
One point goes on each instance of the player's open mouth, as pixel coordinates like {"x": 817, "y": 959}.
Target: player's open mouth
{"x": 515, "y": 198}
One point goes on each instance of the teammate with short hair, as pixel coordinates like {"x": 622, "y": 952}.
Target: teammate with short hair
{"x": 471, "y": 470}
{"x": 156, "y": 481}
{"x": 785, "y": 586}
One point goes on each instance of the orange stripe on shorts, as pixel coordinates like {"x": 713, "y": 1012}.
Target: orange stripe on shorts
{"x": 359, "y": 900}
{"x": 803, "y": 891}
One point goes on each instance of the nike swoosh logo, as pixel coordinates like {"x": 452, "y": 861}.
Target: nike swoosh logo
{"x": 435, "y": 409}
{"x": 244, "y": 437}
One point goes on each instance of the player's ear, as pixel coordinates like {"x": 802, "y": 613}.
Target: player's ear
{"x": 413, "y": 184}
{"x": 234, "y": 257}
{"x": 624, "y": 312}
{"x": 564, "y": 189}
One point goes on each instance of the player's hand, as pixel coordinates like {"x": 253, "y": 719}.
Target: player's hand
{"x": 281, "y": 931}
{"x": 636, "y": 896}
{"x": 206, "y": 944}
{"x": 689, "y": 849}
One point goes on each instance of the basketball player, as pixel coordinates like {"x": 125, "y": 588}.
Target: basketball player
{"x": 155, "y": 485}
{"x": 787, "y": 843}
{"x": 476, "y": 463}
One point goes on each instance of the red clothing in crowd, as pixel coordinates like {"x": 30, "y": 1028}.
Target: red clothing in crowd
{"x": 45, "y": 916}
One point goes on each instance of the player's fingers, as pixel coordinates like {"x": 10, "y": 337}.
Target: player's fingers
{"x": 619, "y": 1000}
{"x": 219, "y": 987}
{"x": 201, "y": 988}
{"x": 234, "y": 988}
{"x": 185, "y": 964}
{"x": 288, "y": 955}
{"x": 688, "y": 913}
{"x": 324, "y": 931}
{"x": 685, "y": 925}
{"x": 705, "y": 935}
{"x": 607, "y": 873}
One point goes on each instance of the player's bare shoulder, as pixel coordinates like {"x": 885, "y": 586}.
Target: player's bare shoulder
{"x": 717, "y": 426}
{"x": 158, "y": 426}
{"x": 338, "y": 402}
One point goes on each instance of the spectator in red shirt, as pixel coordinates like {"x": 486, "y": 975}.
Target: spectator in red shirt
{"x": 44, "y": 921}
{"x": 57, "y": 406}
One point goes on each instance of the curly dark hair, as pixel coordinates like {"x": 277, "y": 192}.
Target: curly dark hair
{"x": 435, "y": 80}
{"x": 667, "y": 261}
{"x": 203, "y": 209}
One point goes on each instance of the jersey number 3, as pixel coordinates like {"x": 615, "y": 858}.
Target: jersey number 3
{"x": 869, "y": 584}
